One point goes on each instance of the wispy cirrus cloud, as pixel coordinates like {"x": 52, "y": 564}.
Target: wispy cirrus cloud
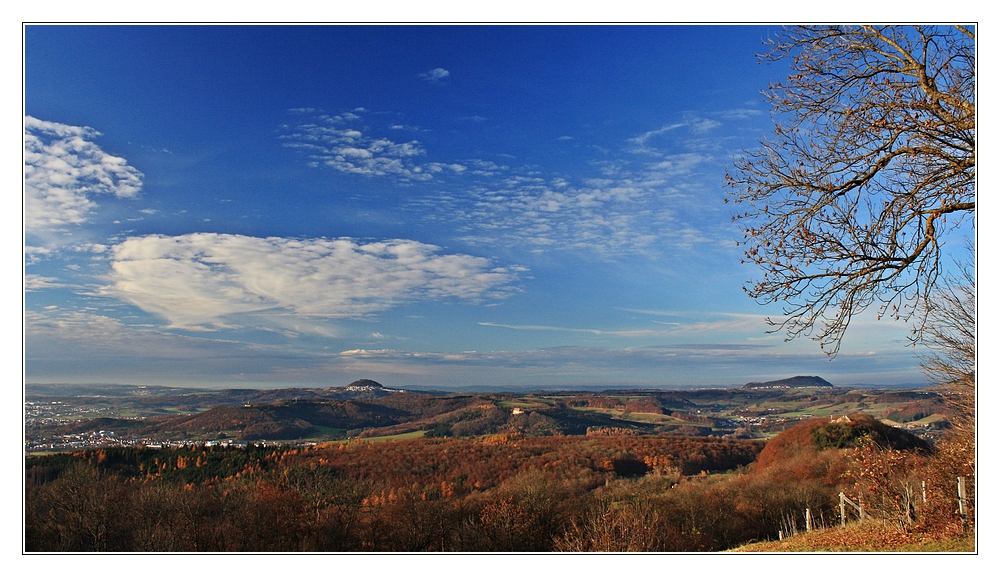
{"x": 63, "y": 170}
{"x": 646, "y": 142}
{"x": 618, "y": 213}
{"x": 206, "y": 281}
{"x": 75, "y": 325}
{"x": 733, "y": 325}
{"x": 740, "y": 113}
{"x": 578, "y": 355}
{"x": 641, "y": 200}
{"x": 599, "y": 332}
{"x": 34, "y": 282}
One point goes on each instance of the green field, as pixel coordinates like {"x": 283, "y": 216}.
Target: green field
{"x": 400, "y": 437}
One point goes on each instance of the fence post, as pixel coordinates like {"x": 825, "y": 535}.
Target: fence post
{"x": 962, "y": 510}
{"x": 780, "y": 535}
{"x": 843, "y": 517}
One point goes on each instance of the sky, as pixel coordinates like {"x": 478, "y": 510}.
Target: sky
{"x": 456, "y": 207}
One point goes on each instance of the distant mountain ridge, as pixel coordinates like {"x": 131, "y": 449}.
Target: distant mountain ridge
{"x": 799, "y": 382}
{"x": 126, "y": 395}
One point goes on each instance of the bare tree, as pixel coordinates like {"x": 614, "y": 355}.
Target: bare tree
{"x": 950, "y": 332}
{"x": 871, "y": 165}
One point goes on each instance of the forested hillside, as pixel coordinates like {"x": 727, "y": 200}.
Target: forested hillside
{"x": 504, "y": 492}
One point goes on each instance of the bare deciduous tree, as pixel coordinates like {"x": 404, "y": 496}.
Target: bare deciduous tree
{"x": 950, "y": 332}
{"x": 871, "y": 165}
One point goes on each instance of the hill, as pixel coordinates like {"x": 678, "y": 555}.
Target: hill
{"x": 798, "y": 382}
{"x": 804, "y": 440}
{"x": 295, "y": 419}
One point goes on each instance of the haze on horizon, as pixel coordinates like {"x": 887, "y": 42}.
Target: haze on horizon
{"x": 437, "y": 207}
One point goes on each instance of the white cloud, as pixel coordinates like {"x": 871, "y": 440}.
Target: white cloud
{"x": 694, "y": 124}
{"x": 677, "y": 164}
{"x": 436, "y": 75}
{"x": 206, "y": 280}
{"x": 740, "y": 113}
{"x": 331, "y": 142}
{"x": 76, "y": 326}
{"x": 643, "y": 138}
{"x": 63, "y": 169}
{"x": 484, "y": 167}
{"x": 704, "y": 125}
{"x": 600, "y": 332}
{"x": 34, "y": 282}
{"x": 733, "y": 325}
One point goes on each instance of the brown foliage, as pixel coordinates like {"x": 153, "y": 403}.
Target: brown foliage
{"x": 807, "y": 438}
{"x": 497, "y": 493}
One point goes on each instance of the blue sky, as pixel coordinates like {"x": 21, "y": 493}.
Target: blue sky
{"x": 426, "y": 206}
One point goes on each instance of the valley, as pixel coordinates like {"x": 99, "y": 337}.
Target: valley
{"x": 59, "y": 418}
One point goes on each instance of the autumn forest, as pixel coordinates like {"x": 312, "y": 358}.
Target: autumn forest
{"x": 502, "y": 492}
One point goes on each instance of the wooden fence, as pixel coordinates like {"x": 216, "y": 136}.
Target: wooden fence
{"x": 848, "y": 505}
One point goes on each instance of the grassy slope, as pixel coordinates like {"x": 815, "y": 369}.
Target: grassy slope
{"x": 866, "y": 537}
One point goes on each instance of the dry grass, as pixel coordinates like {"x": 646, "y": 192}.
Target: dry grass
{"x": 866, "y": 537}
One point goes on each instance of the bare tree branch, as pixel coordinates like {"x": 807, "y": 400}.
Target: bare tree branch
{"x": 871, "y": 165}
{"x": 950, "y": 333}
